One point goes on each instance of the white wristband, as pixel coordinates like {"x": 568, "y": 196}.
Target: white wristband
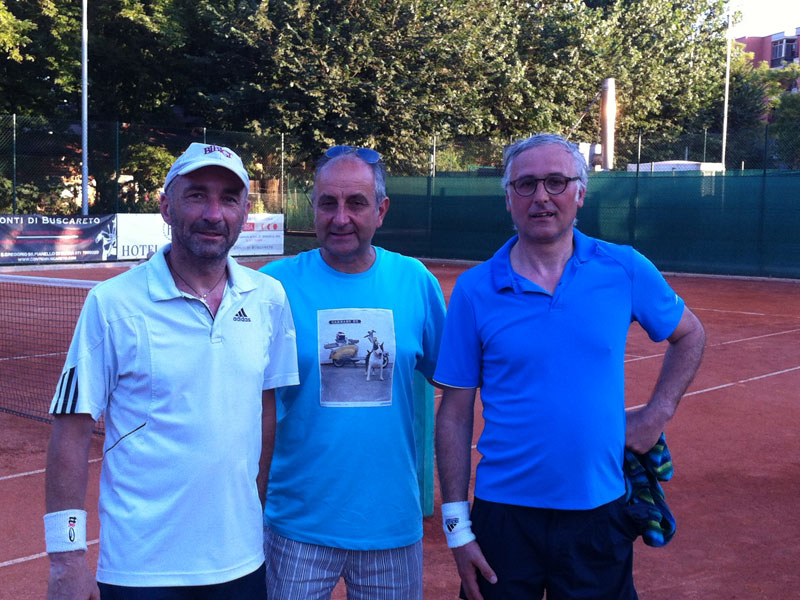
{"x": 457, "y": 526}
{"x": 65, "y": 531}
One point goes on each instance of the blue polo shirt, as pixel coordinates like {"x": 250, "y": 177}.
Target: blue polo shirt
{"x": 550, "y": 369}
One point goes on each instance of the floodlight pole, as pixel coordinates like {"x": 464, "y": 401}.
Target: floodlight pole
{"x": 84, "y": 112}
{"x": 727, "y": 88}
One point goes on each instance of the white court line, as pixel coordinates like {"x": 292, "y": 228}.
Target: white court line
{"x": 23, "y": 357}
{"x": 757, "y": 337}
{"x": 727, "y": 385}
{"x": 16, "y": 561}
{"x": 37, "y": 471}
{"x": 749, "y": 339}
{"x": 743, "y": 312}
{"x": 735, "y": 312}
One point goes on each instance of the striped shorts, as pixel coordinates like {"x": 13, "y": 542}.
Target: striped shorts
{"x": 300, "y": 571}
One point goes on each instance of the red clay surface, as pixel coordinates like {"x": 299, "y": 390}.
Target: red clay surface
{"x": 737, "y": 472}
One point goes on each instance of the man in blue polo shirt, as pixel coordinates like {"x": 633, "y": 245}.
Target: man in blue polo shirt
{"x": 182, "y": 355}
{"x": 541, "y": 329}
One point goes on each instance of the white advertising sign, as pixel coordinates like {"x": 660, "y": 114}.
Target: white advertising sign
{"x": 140, "y": 234}
{"x": 262, "y": 234}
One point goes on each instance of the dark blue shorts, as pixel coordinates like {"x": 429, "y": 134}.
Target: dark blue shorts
{"x": 249, "y": 587}
{"x": 571, "y": 554}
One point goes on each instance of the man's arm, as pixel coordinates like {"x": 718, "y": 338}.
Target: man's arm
{"x": 681, "y": 361}
{"x": 454, "y": 423}
{"x": 268, "y": 421}
{"x": 66, "y": 480}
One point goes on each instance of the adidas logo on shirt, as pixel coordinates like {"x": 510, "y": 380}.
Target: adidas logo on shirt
{"x": 241, "y": 316}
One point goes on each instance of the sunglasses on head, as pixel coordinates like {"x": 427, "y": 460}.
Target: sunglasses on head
{"x": 368, "y": 155}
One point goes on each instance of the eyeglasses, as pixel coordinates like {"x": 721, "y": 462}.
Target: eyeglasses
{"x": 553, "y": 184}
{"x": 368, "y": 155}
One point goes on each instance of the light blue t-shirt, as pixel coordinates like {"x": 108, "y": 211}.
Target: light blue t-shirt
{"x": 344, "y": 467}
{"x": 550, "y": 369}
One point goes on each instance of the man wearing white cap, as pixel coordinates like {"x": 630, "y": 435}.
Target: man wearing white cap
{"x": 182, "y": 355}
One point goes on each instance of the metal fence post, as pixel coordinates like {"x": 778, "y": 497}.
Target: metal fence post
{"x": 705, "y": 139}
{"x": 116, "y": 167}
{"x": 763, "y": 209}
{"x": 635, "y": 207}
{"x": 430, "y": 180}
{"x": 283, "y": 183}
{"x": 14, "y": 160}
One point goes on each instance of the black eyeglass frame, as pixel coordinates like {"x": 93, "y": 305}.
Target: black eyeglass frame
{"x": 536, "y": 181}
{"x": 368, "y": 155}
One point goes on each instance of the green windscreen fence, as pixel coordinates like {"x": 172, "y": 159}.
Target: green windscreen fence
{"x": 742, "y": 223}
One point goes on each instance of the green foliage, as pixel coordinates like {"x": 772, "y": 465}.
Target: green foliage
{"x": 785, "y": 128}
{"x": 748, "y": 95}
{"x": 13, "y": 36}
{"x": 468, "y": 155}
{"x": 779, "y": 81}
{"x": 44, "y": 196}
{"x": 148, "y": 165}
{"x": 134, "y": 53}
{"x": 388, "y": 74}
{"x": 49, "y": 78}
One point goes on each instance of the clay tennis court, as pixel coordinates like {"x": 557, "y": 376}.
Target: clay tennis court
{"x": 734, "y": 444}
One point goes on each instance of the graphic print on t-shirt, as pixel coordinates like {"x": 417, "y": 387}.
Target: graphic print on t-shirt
{"x": 357, "y": 351}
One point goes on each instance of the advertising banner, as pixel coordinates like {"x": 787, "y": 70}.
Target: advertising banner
{"x": 44, "y": 239}
{"x": 140, "y": 235}
{"x": 261, "y": 235}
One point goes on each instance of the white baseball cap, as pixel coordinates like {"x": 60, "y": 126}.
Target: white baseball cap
{"x": 199, "y": 155}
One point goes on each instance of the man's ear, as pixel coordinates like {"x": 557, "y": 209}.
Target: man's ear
{"x": 163, "y": 206}
{"x": 580, "y": 193}
{"x": 383, "y": 208}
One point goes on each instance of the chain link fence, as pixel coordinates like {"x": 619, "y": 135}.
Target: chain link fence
{"x": 763, "y": 148}
{"x": 40, "y": 165}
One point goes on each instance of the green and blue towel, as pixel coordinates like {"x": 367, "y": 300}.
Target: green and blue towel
{"x": 644, "y": 495}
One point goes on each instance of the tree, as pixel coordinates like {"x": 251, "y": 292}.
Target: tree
{"x": 13, "y": 32}
{"x": 383, "y": 73}
{"x": 148, "y": 165}
{"x": 48, "y": 80}
{"x": 786, "y": 123}
{"x": 134, "y": 51}
{"x": 663, "y": 55}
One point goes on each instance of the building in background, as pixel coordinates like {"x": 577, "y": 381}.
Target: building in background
{"x": 775, "y": 49}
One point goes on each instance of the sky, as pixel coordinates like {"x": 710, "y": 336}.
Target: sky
{"x": 765, "y": 17}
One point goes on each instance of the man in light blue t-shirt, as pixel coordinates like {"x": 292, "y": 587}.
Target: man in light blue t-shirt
{"x": 541, "y": 328}
{"x": 343, "y": 499}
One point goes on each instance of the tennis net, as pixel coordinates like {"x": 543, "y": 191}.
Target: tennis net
{"x": 39, "y": 316}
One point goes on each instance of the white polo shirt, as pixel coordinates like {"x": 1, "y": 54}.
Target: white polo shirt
{"x": 181, "y": 394}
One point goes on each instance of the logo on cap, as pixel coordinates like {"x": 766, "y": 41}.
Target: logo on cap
{"x": 224, "y": 151}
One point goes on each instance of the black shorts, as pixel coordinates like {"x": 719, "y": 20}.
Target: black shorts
{"x": 585, "y": 554}
{"x": 249, "y": 587}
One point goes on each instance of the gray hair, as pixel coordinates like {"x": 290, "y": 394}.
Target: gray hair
{"x": 378, "y": 172}
{"x": 541, "y": 139}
